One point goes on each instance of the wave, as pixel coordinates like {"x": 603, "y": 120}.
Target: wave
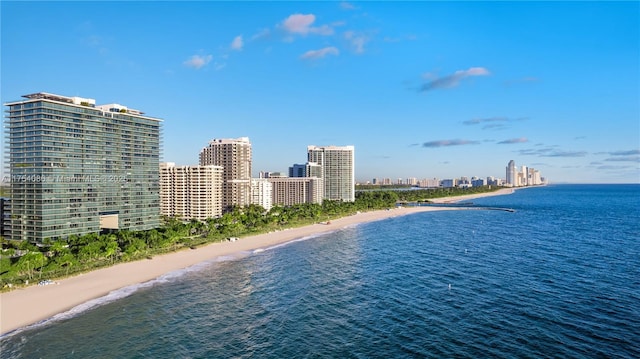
{"x": 125, "y": 292}
{"x": 91, "y": 304}
{"x": 301, "y": 239}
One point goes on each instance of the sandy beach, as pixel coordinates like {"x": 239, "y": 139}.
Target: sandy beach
{"x": 472, "y": 196}
{"x": 30, "y": 305}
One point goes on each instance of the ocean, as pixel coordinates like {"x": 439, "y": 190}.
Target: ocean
{"x": 557, "y": 278}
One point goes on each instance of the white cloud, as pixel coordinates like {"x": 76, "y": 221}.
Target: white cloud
{"x": 474, "y": 71}
{"x": 197, "y": 61}
{"x": 452, "y": 80}
{"x": 347, "y": 6}
{"x": 514, "y": 140}
{"x": 496, "y": 123}
{"x": 447, "y": 143}
{"x": 322, "y": 30}
{"x": 318, "y": 54}
{"x": 237, "y": 43}
{"x": 301, "y": 24}
{"x": 264, "y": 33}
{"x": 357, "y": 41}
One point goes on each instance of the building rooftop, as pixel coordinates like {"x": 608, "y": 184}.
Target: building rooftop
{"x": 81, "y": 101}
{"x": 240, "y": 140}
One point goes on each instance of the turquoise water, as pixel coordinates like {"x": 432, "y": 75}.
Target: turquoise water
{"x": 560, "y": 277}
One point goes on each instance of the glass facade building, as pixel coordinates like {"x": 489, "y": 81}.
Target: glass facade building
{"x": 338, "y": 171}
{"x": 77, "y": 168}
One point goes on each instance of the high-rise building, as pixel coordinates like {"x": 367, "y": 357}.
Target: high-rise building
{"x": 268, "y": 174}
{"x": 5, "y": 217}
{"x": 261, "y": 193}
{"x": 309, "y": 169}
{"x": 77, "y": 168}
{"x": 511, "y": 173}
{"x": 234, "y": 155}
{"x": 288, "y": 191}
{"x": 297, "y": 170}
{"x": 527, "y": 176}
{"x": 478, "y": 182}
{"x": 524, "y": 176}
{"x": 492, "y": 181}
{"x": 190, "y": 192}
{"x": 449, "y": 182}
{"x": 533, "y": 177}
{"x": 429, "y": 183}
{"x": 338, "y": 172}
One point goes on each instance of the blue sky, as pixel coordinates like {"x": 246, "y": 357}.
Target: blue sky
{"x": 421, "y": 89}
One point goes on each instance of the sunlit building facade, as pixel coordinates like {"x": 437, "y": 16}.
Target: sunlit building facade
{"x": 512, "y": 174}
{"x": 289, "y": 191}
{"x": 262, "y": 193}
{"x": 78, "y": 168}
{"x": 190, "y": 192}
{"x": 338, "y": 170}
{"x": 234, "y": 156}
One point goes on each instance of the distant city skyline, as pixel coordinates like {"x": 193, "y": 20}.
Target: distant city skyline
{"x": 420, "y": 89}
{"x": 514, "y": 176}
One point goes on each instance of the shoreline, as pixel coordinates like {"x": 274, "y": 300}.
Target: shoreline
{"x": 24, "y": 307}
{"x": 455, "y": 199}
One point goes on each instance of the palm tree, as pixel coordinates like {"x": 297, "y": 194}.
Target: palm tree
{"x": 111, "y": 248}
{"x": 67, "y": 260}
{"x": 27, "y": 263}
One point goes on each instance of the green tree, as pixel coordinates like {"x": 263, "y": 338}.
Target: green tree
{"x": 28, "y": 263}
{"x": 111, "y": 248}
{"x": 90, "y": 251}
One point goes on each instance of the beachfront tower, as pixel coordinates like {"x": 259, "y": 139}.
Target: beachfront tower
{"x": 512, "y": 174}
{"x": 234, "y": 156}
{"x": 77, "y": 168}
{"x": 262, "y": 193}
{"x": 289, "y": 191}
{"x": 310, "y": 169}
{"x": 338, "y": 173}
{"x": 190, "y": 192}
